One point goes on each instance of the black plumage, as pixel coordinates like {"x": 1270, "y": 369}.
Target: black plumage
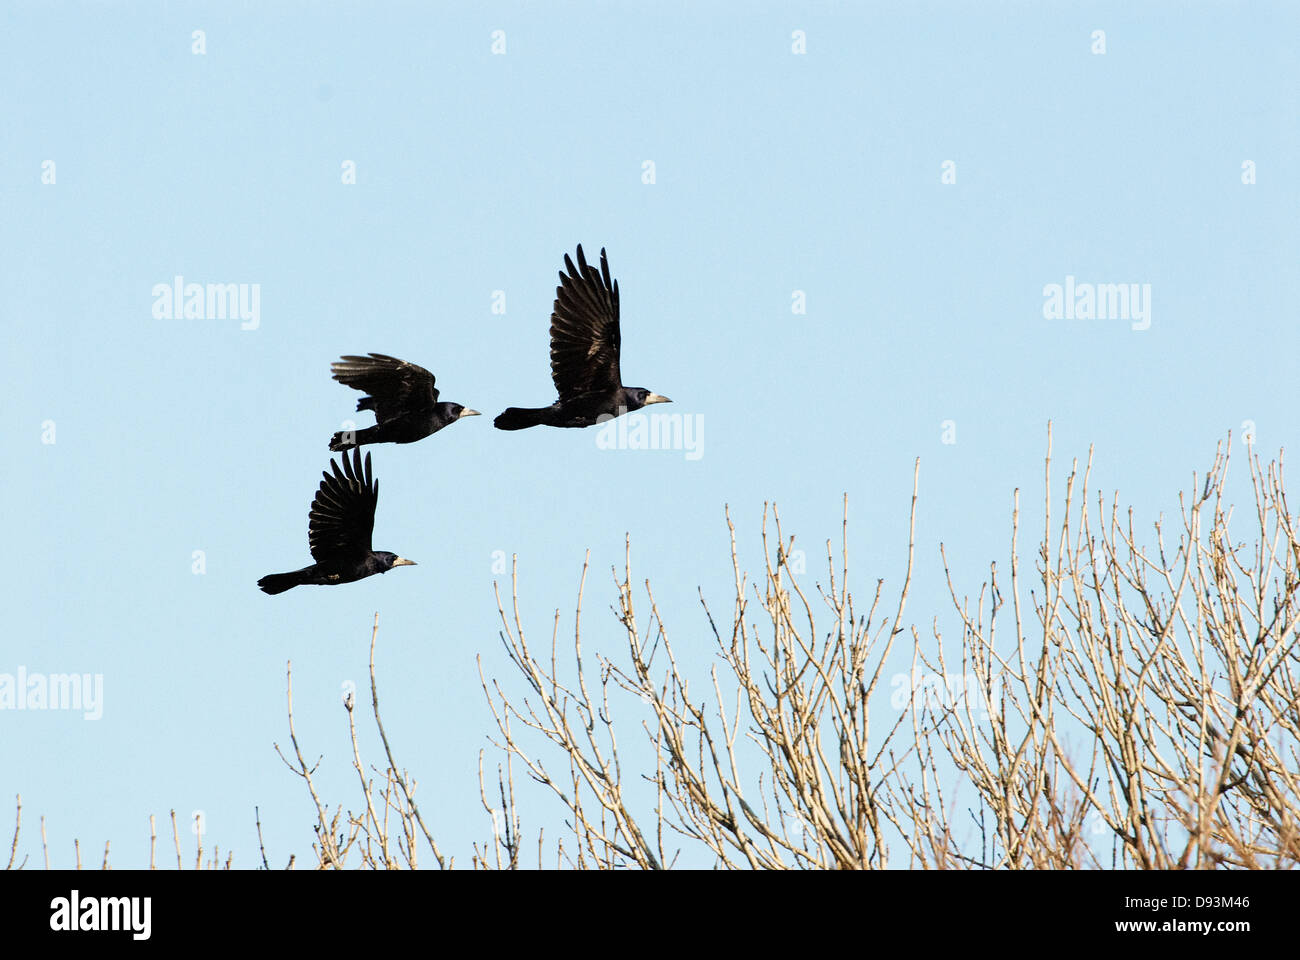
{"x": 401, "y": 394}
{"x": 585, "y": 346}
{"x": 339, "y": 528}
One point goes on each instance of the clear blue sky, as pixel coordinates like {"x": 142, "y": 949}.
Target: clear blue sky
{"x": 774, "y": 173}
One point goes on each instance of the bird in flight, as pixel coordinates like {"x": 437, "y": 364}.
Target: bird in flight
{"x": 585, "y": 343}
{"x": 403, "y": 397}
{"x": 339, "y": 526}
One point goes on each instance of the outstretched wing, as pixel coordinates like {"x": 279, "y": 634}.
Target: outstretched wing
{"x": 393, "y": 387}
{"x": 584, "y": 330}
{"x": 342, "y": 516}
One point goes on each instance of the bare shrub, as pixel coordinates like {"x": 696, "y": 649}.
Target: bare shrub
{"x": 1147, "y": 720}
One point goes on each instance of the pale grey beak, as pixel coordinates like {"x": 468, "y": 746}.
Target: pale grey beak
{"x": 403, "y": 562}
{"x": 467, "y": 412}
{"x": 655, "y": 398}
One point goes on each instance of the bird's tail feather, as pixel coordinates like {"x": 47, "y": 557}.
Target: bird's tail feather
{"x": 347, "y": 439}
{"x": 274, "y": 583}
{"x": 519, "y": 418}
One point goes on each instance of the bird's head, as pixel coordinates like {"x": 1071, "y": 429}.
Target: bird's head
{"x": 638, "y": 397}
{"x": 455, "y": 411}
{"x": 390, "y": 560}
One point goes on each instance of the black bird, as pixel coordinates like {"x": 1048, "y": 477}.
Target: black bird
{"x": 338, "y": 529}
{"x": 403, "y": 397}
{"x": 585, "y": 343}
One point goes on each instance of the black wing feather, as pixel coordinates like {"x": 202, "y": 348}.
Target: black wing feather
{"x": 393, "y": 387}
{"x": 585, "y": 336}
{"x": 342, "y": 516}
